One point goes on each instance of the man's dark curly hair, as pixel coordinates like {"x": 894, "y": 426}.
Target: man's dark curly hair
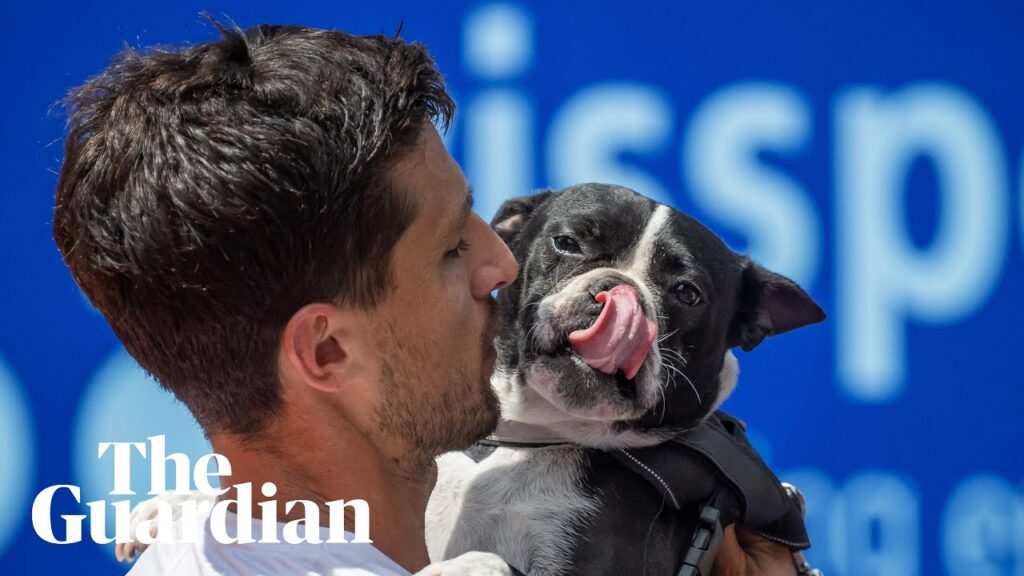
{"x": 208, "y": 193}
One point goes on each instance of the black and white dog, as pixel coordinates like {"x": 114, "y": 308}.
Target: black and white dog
{"x": 616, "y": 335}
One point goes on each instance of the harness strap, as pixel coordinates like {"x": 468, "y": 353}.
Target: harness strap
{"x": 513, "y": 434}
{"x": 517, "y": 433}
{"x": 715, "y": 461}
{"x": 712, "y": 468}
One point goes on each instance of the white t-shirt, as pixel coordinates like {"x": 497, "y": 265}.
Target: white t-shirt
{"x": 208, "y": 557}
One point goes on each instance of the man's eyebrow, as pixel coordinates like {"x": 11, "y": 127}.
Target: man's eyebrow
{"x": 467, "y": 209}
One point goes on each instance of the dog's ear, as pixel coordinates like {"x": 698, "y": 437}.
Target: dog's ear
{"x": 515, "y": 213}
{"x": 769, "y": 304}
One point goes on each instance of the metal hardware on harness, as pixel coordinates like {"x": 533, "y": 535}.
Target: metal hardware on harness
{"x": 802, "y": 567}
{"x": 707, "y": 539}
{"x": 797, "y": 497}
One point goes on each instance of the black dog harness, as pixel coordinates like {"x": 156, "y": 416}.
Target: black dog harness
{"x": 712, "y": 468}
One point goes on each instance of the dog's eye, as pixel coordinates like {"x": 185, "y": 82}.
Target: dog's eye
{"x": 688, "y": 294}
{"x": 566, "y": 245}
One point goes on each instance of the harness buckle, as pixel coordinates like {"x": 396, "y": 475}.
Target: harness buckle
{"x": 707, "y": 539}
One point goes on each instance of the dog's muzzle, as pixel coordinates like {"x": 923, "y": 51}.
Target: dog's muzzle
{"x": 620, "y": 338}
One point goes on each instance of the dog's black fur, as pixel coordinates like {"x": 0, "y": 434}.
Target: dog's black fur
{"x": 706, "y": 300}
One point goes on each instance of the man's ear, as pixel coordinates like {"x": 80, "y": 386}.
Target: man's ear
{"x": 315, "y": 347}
{"x": 769, "y": 304}
{"x": 515, "y": 213}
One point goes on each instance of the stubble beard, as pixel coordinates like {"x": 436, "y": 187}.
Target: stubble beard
{"x": 431, "y": 422}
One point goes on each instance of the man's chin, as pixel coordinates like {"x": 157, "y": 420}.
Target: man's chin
{"x": 482, "y": 422}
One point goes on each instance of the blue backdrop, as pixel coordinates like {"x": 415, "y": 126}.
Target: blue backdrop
{"x": 870, "y": 150}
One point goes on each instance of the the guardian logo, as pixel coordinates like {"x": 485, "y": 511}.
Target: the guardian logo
{"x": 207, "y": 505}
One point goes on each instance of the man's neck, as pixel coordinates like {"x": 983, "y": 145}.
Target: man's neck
{"x": 337, "y": 465}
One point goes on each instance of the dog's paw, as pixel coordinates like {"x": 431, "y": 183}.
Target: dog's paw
{"x": 147, "y": 510}
{"x": 469, "y": 564}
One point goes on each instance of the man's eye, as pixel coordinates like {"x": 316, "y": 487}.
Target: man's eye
{"x": 566, "y": 245}
{"x": 461, "y": 247}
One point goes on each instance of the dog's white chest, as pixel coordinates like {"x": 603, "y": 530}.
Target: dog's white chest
{"x": 526, "y": 505}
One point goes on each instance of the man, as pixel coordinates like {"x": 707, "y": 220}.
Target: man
{"x": 273, "y": 228}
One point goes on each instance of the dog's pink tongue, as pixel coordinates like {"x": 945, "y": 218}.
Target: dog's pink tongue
{"x": 621, "y": 336}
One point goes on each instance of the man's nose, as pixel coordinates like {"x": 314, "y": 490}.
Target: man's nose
{"x": 497, "y": 267}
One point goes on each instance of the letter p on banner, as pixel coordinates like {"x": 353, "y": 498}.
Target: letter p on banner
{"x": 883, "y": 279}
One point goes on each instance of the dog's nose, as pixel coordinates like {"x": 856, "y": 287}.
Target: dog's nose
{"x": 606, "y": 284}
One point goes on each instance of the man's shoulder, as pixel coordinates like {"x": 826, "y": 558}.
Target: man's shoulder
{"x": 214, "y": 559}
{"x": 165, "y": 559}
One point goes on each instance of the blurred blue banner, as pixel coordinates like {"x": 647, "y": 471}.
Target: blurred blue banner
{"x": 872, "y": 151}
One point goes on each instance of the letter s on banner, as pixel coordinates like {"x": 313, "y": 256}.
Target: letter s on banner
{"x": 601, "y": 122}
{"x": 728, "y": 181}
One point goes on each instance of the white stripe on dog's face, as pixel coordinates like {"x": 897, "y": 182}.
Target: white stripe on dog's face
{"x": 638, "y": 264}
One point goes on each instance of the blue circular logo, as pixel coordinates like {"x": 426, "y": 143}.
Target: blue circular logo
{"x": 124, "y": 404}
{"x": 16, "y": 445}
